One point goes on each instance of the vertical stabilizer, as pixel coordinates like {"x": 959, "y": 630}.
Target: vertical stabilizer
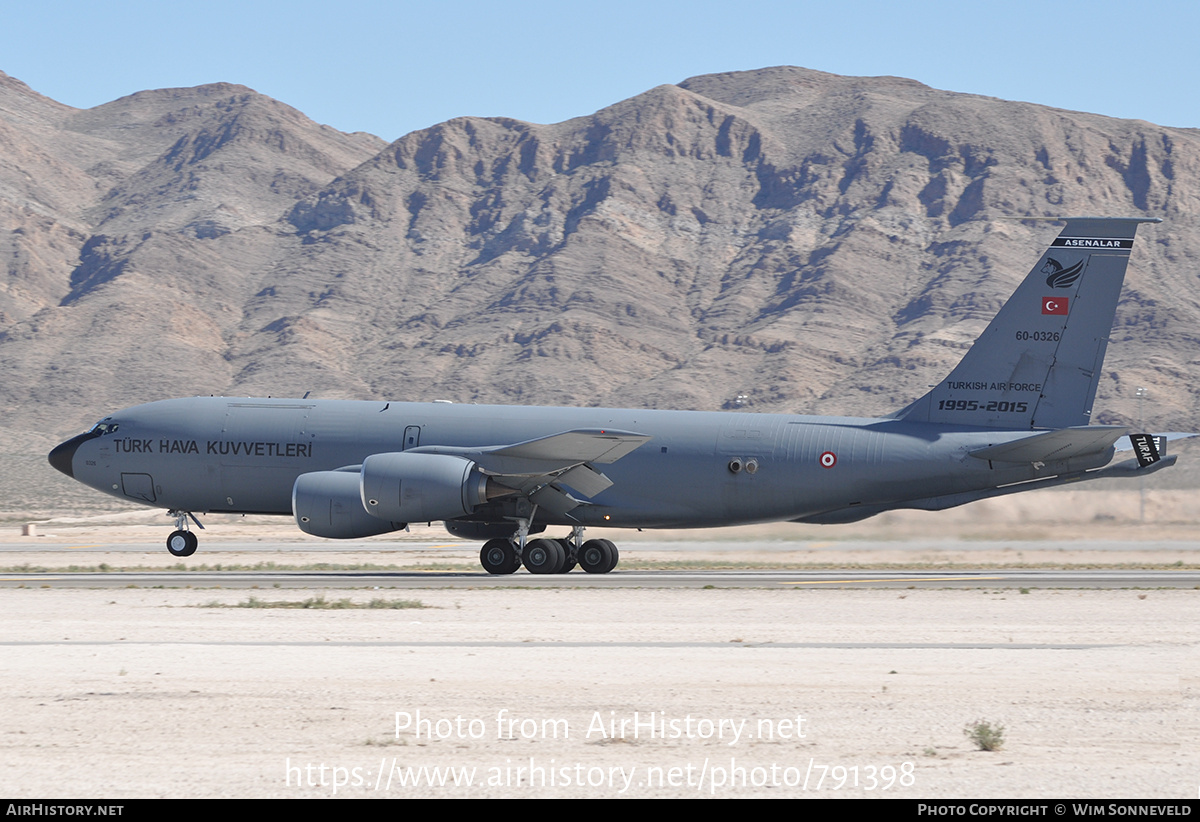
{"x": 1038, "y": 363}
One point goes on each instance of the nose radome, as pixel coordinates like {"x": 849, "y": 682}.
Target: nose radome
{"x": 63, "y": 455}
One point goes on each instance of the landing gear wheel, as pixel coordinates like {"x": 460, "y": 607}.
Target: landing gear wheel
{"x": 544, "y": 556}
{"x": 570, "y": 552}
{"x": 616, "y": 555}
{"x": 182, "y": 543}
{"x": 598, "y": 556}
{"x": 499, "y": 556}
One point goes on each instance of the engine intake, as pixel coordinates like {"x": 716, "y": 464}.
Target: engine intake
{"x": 328, "y": 504}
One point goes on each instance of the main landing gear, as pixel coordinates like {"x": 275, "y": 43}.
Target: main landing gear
{"x": 182, "y": 542}
{"x": 549, "y": 556}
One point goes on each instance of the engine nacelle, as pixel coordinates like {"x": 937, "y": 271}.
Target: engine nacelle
{"x": 328, "y": 504}
{"x": 416, "y": 487}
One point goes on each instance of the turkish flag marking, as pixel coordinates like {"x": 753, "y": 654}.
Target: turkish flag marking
{"x": 1054, "y": 305}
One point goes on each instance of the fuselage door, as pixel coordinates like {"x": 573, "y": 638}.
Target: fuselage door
{"x": 138, "y": 486}
{"x": 412, "y": 437}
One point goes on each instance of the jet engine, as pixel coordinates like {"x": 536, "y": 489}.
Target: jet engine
{"x": 328, "y": 504}
{"x": 416, "y": 487}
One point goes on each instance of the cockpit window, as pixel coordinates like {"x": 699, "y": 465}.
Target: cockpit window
{"x": 102, "y": 428}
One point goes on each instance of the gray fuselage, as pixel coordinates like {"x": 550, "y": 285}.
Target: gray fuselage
{"x": 216, "y": 454}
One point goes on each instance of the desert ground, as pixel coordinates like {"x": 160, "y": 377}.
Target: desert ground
{"x": 650, "y": 692}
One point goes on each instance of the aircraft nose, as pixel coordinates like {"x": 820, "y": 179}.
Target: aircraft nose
{"x": 63, "y": 455}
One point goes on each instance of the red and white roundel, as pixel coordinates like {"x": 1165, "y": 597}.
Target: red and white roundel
{"x": 828, "y": 459}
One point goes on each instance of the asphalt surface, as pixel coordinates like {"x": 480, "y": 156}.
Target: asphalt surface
{"x": 14, "y": 555}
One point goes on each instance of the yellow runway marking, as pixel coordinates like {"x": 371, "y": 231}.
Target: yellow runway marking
{"x": 893, "y": 579}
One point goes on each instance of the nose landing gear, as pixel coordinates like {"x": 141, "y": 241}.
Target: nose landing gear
{"x": 182, "y": 542}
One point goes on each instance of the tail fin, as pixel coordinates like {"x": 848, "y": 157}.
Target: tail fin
{"x": 1038, "y": 363}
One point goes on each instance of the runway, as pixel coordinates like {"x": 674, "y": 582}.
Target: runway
{"x": 302, "y": 568}
{"x": 629, "y": 547}
{"x": 1089, "y": 671}
{"x": 617, "y": 579}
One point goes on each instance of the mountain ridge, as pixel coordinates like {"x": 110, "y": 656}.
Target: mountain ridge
{"x": 802, "y": 241}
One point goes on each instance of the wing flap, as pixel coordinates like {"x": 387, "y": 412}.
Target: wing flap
{"x": 586, "y": 480}
{"x": 554, "y": 500}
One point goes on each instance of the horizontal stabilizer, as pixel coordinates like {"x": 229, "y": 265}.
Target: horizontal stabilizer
{"x": 1052, "y": 446}
{"x": 1160, "y": 441}
{"x": 1147, "y": 448}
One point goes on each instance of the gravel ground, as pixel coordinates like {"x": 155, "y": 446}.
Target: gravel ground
{"x": 148, "y": 693}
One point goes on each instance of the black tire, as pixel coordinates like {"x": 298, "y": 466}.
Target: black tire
{"x": 543, "y": 556}
{"x": 616, "y": 555}
{"x": 499, "y": 556}
{"x": 571, "y": 559}
{"x": 597, "y": 556}
{"x": 182, "y": 543}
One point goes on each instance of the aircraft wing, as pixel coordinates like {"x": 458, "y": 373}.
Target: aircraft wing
{"x": 596, "y": 445}
{"x": 538, "y": 468}
{"x": 1065, "y": 443}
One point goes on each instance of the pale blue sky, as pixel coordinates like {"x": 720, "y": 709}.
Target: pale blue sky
{"x": 392, "y": 67}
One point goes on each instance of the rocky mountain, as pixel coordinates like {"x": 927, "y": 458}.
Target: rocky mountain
{"x": 804, "y": 241}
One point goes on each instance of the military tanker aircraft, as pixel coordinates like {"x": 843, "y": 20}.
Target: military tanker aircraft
{"x": 1012, "y": 416}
